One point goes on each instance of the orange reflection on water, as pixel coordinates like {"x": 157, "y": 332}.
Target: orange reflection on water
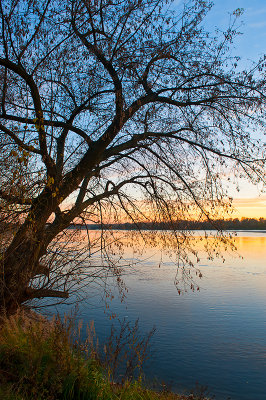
{"x": 149, "y": 262}
{"x": 246, "y": 244}
{"x": 163, "y": 246}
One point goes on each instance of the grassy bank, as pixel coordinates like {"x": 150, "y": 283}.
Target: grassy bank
{"x": 42, "y": 360}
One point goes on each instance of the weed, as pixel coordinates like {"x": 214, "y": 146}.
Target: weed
{"x": 46, "y": 360}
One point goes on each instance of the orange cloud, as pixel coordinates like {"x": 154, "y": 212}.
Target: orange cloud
{"x": 250, "y": 207}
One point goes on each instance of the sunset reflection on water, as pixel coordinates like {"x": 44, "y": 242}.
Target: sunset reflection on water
{"x": 215, "y": 336}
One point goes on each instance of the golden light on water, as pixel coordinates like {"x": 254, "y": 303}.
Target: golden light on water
{"x": 250, "y": 246}
{"x": 187, "y": 263}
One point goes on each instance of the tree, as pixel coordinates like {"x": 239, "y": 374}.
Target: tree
{"x": 105, "y": 102}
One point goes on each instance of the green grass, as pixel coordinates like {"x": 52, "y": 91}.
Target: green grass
{"x": 42, "y": 360}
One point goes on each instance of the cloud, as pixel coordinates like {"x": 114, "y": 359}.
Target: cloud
{"x": 251, "y": 202}
{"x": 250, "y": 207}
{"x": 253, "y": 12}
{"x": 261, "y": 24}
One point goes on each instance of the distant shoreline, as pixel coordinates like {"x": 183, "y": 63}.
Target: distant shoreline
{"x": 245, "y": 225}
{"x": 235, "y": 225}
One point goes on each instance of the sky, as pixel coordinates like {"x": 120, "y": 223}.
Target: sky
{"x": 249, "y": 201}
{"x": 250, "y": 46}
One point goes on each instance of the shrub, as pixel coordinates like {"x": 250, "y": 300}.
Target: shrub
{"x": 40, "y": 359}
{"x": 45, "y": 360}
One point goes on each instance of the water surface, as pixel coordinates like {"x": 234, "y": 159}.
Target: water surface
{"x": 215, "y": 336}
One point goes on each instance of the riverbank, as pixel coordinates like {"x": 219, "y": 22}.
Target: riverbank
{"x": 45, "y": 360}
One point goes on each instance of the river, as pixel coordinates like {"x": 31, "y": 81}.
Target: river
{"x": 214, "y": 336}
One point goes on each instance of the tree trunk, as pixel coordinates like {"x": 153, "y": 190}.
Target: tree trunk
{"x": 19, "y": 265}
{"x": 20, "y": 261}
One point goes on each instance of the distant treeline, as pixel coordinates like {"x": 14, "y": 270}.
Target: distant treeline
{"x": 229, "y": 224}
{"x": 246, "y": 224}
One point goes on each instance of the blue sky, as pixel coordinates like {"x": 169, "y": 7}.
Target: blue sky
{"x": 250, "y": 46}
